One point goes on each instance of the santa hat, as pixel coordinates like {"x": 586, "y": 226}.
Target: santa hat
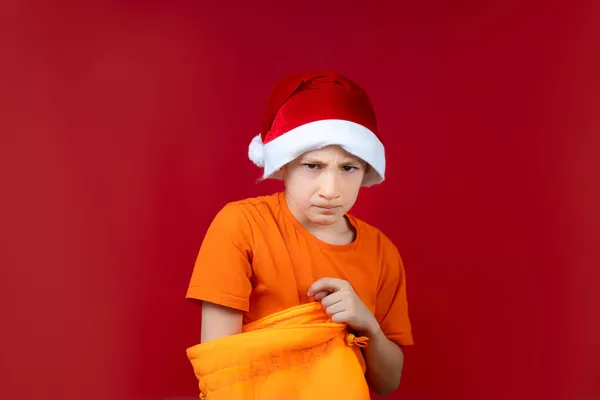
{"x": 309, "y": 111}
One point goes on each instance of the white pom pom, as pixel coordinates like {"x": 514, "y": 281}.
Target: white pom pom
{"x": 256, "y": 151}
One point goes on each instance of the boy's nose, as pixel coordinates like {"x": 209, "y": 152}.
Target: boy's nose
{"x": 330, "y": 188}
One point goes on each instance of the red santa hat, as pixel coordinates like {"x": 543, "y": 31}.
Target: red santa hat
{"x": 309, "y": 111}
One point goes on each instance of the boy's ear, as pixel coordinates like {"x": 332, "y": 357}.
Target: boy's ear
{"x": 282, "y": 172}
{"x": 367, "y": 170}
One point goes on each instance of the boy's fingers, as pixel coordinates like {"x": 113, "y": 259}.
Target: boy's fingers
{"x": 332, "y": 298}
{"x": 326, "y": 284}
{"x": 335, "y": 308}
{"x": 319, "y": 296}
{"x": 342, "y": 316}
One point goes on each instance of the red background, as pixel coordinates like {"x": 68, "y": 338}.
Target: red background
{"x": 124, "y": 128}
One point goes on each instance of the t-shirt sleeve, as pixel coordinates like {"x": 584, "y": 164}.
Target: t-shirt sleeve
{"x": 223, "y": 270}
{"x": 391, "y": 309}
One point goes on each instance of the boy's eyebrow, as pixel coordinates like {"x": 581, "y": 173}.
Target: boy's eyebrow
{"x": 315, "y": 160}
{"x": 308, "y": 159}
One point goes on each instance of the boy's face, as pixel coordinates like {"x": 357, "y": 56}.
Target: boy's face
{"x": 322, "y": 185}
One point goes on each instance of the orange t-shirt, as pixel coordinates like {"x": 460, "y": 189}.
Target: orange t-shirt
{"x": 258, "y": 258}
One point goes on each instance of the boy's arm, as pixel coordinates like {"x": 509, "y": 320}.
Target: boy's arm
{"x": 222, "y": 273}
{"x": 219, "y": 321}
{"x": 384, "y": 360}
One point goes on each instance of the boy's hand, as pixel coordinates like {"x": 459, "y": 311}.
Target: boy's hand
{"x": 343, "y": 304}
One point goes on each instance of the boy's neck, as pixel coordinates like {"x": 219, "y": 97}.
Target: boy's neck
{"x": 342, "y": 232}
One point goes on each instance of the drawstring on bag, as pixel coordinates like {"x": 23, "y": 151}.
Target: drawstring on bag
{"x": 360, "y": 341}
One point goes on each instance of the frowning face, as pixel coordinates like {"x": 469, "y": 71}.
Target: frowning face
{"x": 322, "y": 185}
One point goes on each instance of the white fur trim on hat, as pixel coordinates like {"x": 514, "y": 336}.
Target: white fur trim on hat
{"x": 256, "y": 151}
{"x": 352, "y": 137}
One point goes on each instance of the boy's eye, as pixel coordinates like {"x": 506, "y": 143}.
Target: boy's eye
{"x": 311, "y": 166}
{"x": 349, "y": 168}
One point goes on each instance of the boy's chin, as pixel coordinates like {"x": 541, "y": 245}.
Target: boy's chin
{"x": 325, "y": 220}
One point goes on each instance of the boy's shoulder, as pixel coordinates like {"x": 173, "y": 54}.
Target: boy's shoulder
{"x": 257, "y": 204}
{"x": 374, "y": 233}
{"x": 270, "y": 199}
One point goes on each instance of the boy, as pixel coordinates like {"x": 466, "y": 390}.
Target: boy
{"x": 264, "y": 257}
